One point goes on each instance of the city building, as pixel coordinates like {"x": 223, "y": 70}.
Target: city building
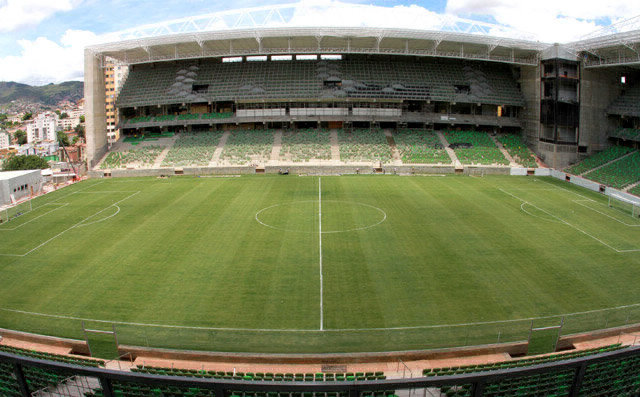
{"x": 114, "y": 75}
{"x": 43, "y": 127}
{"x": 15, "y": 185}
{"x": 5, "y": 140}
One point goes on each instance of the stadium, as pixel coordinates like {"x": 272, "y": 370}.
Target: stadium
{"x": 303, "y": 211}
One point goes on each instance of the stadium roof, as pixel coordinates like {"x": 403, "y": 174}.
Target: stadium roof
{"x": 279, "y": 29}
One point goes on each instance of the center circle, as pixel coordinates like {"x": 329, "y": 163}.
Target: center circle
{"x": 336, "y": 216}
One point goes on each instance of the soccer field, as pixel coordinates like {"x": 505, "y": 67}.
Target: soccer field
{"x": 319, "y": 264}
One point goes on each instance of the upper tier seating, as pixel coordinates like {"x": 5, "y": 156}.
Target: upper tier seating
{"x": 627, "y": 104}
{"x": 424, "y": 79}
{"x": 598, "y": 159}
{"x": 629, "y": 134}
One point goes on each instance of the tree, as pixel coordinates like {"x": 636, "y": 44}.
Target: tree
{"x": 79, "y": 130}
{"x": 30, "y": 162}
{"x": 63, "y": 139}
{"x": 27, "y": 116}
{"x": 64, "y": 115}
{"x": 21, "y": 137}
{"x": 82, "y": 118}
{"x": 75, "y": 140}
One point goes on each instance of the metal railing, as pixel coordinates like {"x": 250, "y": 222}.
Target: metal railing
{"x": 477, "y": 382}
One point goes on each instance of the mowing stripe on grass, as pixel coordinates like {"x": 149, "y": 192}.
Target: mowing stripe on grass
{"x": 435, "y": 326}
{"x": 568, "y": 224}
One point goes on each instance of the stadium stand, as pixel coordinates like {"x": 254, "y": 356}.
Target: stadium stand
{"x": 627, "y": 104}
{"x": 428, "y": 79}
{"x": 136, "y": 157}
{"x": 420, "y": 147}
{"x": 627, "y": 134}
{"x": 619, "y": 173}
{"x": 364, "y": 145}
{"x": 305, "y": 145}
{"x": 37, "y": 378}
{"x": 518, "y": 150}
{"x": 473, "y": 147}
{"x": 555, "y": 383}
{"x": 598, "y": 159}
{"x": 51, "y": 356}
{"x": 192, "y": 149}
{"x": 247, "y": 146}
{"x": 263, "y": 376}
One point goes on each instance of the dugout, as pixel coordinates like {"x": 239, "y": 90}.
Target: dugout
{"x": 15, "y": 185}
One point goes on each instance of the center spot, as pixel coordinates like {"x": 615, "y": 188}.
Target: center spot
{"x": 337, "y": 216}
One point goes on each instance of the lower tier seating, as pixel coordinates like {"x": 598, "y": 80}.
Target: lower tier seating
{"x": 420, "y": 147}
{"x": 598, "y": 159}
{"x": 518, "y": 150}
{"x": 619, "y": 173}
{"x": 473, "y": 147}
{"x": 364, "y": 145}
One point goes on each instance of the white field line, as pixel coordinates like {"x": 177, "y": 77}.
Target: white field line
{"x": 565, "y": 189}
{"x": 320, "y": 246}
{"x": 102, "y": 219}
{"x": 73, "y": 227}
{"x": 77, "y": 191}
{"x": 436, "y": 326}
{"x": 605, "y": 214}
{"x": 61, "y": 205}
{"x": 568, "y": 224}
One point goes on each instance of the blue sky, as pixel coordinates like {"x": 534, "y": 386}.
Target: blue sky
{"x": 41, "y": 41}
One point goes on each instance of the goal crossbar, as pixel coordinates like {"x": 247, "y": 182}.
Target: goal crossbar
{"x": 618, "y": 200}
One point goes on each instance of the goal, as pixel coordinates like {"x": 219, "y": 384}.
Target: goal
{"x": 625, "y": 204}
{"x": 9, "y": 212}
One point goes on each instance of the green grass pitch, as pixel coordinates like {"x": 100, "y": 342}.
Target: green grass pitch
{"x": 239, "y": 263}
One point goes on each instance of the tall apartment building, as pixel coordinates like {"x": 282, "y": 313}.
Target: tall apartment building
{"x": 43, "y": 128}
{"x": 114, "y": 76}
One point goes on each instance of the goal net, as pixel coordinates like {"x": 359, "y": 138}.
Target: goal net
{"x": 9, "y": 212}
{"x": 626, "y": 205}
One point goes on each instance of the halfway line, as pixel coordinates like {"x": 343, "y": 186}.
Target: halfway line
{"x": 320, "y": 244}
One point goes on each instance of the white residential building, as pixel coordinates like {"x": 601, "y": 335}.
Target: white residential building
{"x": 43, "y": 127}
{"x": 5, "y": 141}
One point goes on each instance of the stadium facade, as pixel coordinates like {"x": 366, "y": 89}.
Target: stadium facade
{"x": 565, "y": 98}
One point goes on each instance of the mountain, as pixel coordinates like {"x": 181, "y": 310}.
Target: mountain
{"x": 49, "y": 94}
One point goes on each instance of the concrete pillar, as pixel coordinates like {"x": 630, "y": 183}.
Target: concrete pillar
{"x": 95, "y": 117}
{"x": 598, "y": 88}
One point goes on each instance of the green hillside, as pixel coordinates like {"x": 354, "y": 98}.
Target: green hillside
{"x": 49, "y": 94}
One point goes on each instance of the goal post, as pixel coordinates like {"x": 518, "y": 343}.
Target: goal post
{"x": 9, "y": 212}
{"x": 625, "y": 204}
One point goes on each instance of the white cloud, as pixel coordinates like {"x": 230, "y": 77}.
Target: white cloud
{"x": 42, "y": 60}
{"x": 339, "y": 14}
{"x": 548, "y": 20}
{"x": 16, "y": 14}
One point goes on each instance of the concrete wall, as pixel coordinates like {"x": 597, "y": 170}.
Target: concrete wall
{"x": 95, "y": 119}
{"x": 598, "y": 88}
{"x": 33, "y": 181}
{"x": 530, "y": 86}
{"x": 301, "y": 169}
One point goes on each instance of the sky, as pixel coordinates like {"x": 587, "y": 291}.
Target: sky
{"x": 42, "y": 41}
